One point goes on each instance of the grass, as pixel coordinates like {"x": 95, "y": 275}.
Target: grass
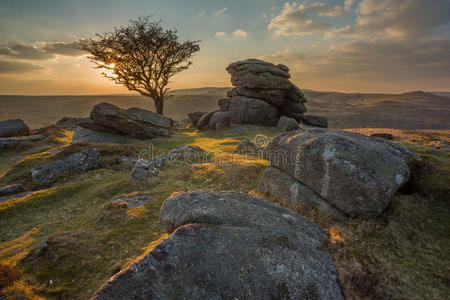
{"x": 88, "y": 237}
{"x": 401, "y": 254}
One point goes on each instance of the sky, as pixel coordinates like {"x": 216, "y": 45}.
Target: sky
{"x": 379, "y": 46}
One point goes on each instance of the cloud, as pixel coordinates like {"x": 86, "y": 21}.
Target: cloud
{"x": 372, "y": 60}
{"x": 393, "y": 19}
{"x": 7, "y": 67}
{"x": 221, "y": 35}
{"x": 239, "y": 33}
{"x": 42, "y": 50}
{"x": 221, "y": 11}
{"x": 294, "y": 18}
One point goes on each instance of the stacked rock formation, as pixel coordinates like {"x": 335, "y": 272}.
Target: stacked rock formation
{"x": 262, "y": 94}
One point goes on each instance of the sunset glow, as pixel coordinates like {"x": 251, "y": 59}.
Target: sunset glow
{"x": 349, "y": 46}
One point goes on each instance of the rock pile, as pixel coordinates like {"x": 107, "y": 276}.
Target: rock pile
{"x": 229, "y": 245}
{"x": 262, "y": 94}
{"x": 337, "y": 171}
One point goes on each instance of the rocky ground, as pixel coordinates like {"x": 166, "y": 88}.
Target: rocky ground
{"x": 64, "y": 240}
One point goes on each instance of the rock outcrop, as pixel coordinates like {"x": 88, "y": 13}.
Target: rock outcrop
{"x": 135, "y": 122}
{"x": 352, "y": 173}
{"x": 13, "y": 127}
{"x": 111, "y": 124}
{"x": 262, "y": 94}
{"x": 229, "y": 245}
{"x": 82, "y": 161}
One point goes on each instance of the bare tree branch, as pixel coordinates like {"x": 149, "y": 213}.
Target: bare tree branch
{"x": 142, "y": 57}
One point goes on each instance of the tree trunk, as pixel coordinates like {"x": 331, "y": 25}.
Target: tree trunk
{"x": 159, "y": 107}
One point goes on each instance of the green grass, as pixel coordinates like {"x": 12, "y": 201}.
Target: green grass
{"x": 401, "y": 254}
{"x": 89, "y": 238}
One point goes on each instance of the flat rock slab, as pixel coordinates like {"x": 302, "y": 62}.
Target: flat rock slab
{"x": 11, "y": 143}
{"x": 229, "y": 246}
{"x": 357, "y": 174}
{"x": 82, "y": 161}
{"x": 86, "y": 135}
{"x": 11, "y": 189}
{"x": 13, "y": 127}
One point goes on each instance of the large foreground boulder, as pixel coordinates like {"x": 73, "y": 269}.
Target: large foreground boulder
{"x": 82, "y": 161}
{"x": 13, "y": 127}
{"x": 354, "y": 173}
{"x": 229, "y": 246}
{"x": 135, "y": 122}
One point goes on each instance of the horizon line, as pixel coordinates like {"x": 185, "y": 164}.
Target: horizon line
{"x": 210, "y": 87}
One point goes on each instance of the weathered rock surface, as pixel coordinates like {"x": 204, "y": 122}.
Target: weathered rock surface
{"x": 224, "y": 104}
{"x": 69, "y": 122}
{"x": 262, "y": 94}
{"x": 195, "y": 116}
{"x": 356, "y": 174}
{"x": 287, "y": 124}
{"x": 275, "y": 97}
{"x": 317, "y": 121}
{"x": 13, "y": 127}
{"x": 293, "y": 193}
{"x": 143, "y": 170}
{"x": 245, "y": 110}
{"x": 203, "y": 122}
{"x": 219, "y": 120}
{"x": 229, "y": 246}
{"x": 11, "y": 189}
{"x": 85, "y": 160}
{"x": 135, "y": 122}
{"x": 91, "y": 136}
{"x": 12, "y": 143}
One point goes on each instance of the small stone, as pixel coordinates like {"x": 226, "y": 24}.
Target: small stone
{"x": 287, "y": 124}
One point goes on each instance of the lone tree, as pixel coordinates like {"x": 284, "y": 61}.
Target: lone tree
{"x": 143, "y": 57}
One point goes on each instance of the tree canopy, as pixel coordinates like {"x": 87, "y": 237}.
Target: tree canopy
{"x": 142, "y": 56}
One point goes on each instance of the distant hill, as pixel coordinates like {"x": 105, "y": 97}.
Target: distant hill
{"x": 443, "y": 94}
{"x": 412, "y": 110}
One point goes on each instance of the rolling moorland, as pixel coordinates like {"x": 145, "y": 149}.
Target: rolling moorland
{"x": 413, "y": 110}
{"x": 401, "y": 254}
